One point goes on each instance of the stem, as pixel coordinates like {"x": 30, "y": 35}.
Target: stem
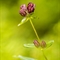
{"x": 37, "y": 37}
{"x": 34, "y": 30}
{"x": 44, "y": 55}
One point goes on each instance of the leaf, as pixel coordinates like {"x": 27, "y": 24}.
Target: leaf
{"x": 29, "y": 45}
{"x": 24, "y": 58}
{"x": 25, "y": 19}
{"x": 49, "y": 43}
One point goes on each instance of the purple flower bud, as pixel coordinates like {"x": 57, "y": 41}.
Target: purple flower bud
{"x": 23, "y": 10}
{"x": 36, "y": 43}
{"x": 43, "y": 44}
{"x": 30, "y": 7}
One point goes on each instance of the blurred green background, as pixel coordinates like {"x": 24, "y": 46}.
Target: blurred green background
{"x": 46, "y": 22}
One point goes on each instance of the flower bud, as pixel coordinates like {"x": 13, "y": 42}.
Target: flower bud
{"x": 30, "y": 7}
{"x": 36, "y": 43}
{"x": 23, "y": 10}
{"x": 43, "y": 44}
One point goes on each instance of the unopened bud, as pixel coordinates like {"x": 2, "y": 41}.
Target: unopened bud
{"x": 30, "y": 7}
{"x": 36, "y": 43}
{"x": 43, "y": 44}
{"x": 23, "y": 10}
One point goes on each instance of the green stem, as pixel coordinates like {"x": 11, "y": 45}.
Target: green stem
{"x": 44, "y": 55}
{"x": 34, "y": 30}
{"x": 37, "y": 36}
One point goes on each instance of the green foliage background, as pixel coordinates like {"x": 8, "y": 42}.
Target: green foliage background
{"x": 46, "y": 22}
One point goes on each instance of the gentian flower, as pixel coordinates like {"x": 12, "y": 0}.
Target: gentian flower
{"x": 23, "y": 10}
{"x": 36, "y": 43}
{"x": 43, "y": 44}
{"x": 30, "y": 7}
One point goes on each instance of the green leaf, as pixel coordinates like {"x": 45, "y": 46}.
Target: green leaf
{"x": 23, "y": 58}
{"x": 25, "y": 19}
{"x": 49, "y": 43}
{"x": 29, "y": 45}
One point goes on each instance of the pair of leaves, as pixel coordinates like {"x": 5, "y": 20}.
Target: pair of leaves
{"x": 25, "y": 19}
{"x": 23, "y": 57}
{"x": 48, "y": 44}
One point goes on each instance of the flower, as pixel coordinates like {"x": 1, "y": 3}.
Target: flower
{"x": 26, "y": 10}
{"x": 30, "y": 7}
{"x": 43, "y": 44}
{"x": 36, "y": 43}
{"x": 23, "y": 10}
